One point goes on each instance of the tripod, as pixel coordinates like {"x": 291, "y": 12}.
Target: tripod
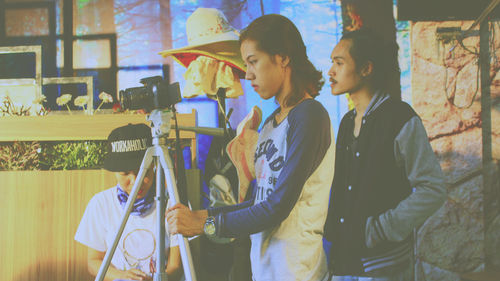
{"x": 164, "y": 171}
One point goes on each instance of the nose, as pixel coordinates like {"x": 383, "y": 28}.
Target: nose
{"x": 131, "y": 179}
{"x": 249, "y": 75}
{"x": 331, "y": 72}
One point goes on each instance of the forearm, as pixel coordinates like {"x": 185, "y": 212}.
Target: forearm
{"x": 230, "y": 208}
{"x": 174, "y": 264}
{"x": 396, "y": 224}
{"x": 174, "y": 274}
{"x": 253, "y": 219}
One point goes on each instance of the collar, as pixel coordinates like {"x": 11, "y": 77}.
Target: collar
{"x": 141, "y": 206}
{"x": 378, "y": 98}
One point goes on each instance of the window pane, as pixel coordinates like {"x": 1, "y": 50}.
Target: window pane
{"x": 27, "y": 22}
{"x": 91, "y": 54}
{"x": 93, "y": 17}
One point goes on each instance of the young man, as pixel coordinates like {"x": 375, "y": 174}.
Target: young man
{"x": 135, "y": 256}
{"x": 387, "y": 179}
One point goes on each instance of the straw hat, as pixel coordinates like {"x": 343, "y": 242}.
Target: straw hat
{"x": 209, "y": 34}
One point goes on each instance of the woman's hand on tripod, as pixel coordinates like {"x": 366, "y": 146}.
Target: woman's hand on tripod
{"x": 181, "y": 220}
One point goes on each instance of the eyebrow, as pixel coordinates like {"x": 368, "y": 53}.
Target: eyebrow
{"x": 338, "y": 57}
{"x": 249, "y": 56}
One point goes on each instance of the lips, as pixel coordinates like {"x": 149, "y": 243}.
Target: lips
{"x": 332, "y": 82}
{"x": 141, "y": 191}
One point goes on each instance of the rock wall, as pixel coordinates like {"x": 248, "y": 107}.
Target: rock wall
{"x": 446, "y": 93}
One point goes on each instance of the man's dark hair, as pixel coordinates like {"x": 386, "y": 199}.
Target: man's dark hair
{"x": 277, "y": 35}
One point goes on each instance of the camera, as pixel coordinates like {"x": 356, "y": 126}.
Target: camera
{"x": 155, "y": 94}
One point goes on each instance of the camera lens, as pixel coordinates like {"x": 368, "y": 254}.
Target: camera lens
{"x": 155, "y": 94}
{"x": 135, "y": 98}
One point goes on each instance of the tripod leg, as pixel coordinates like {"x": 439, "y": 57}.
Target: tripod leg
{"x": 160, "y": 274}
{"x": 166, "y": 166}
{"x": 146, "y": 163}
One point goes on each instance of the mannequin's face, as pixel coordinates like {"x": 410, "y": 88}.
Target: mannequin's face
{"x": 127, "y": 180}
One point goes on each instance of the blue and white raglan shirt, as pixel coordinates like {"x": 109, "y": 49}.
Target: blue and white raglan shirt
{"x": 294, "y": 170}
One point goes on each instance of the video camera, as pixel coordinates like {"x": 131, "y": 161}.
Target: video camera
{"x": 155, "y": 94}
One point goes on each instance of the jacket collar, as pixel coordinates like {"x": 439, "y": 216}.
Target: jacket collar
{"x": 378, "y": 98}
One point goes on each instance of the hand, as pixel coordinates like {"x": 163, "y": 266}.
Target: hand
{"x": 134, "y": 274}
{"x": 181, "y": 220}
{"x": 94, "y": 261}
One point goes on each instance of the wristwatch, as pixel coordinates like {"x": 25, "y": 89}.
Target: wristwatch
{"x": 209, "y": 228}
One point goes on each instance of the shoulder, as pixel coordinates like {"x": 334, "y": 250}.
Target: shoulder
{"x": 393, "y": 113}
{"x": 106, "y": 194}
{"x": 103, "y": 198}
{"x": 309, "y": 111}
{"x": 397, "y": 108}
{"x": 393, "y": 118}
{"x": 309, "y": 107}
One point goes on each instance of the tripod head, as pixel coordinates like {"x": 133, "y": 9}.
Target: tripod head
{"x": 160, "y": 129}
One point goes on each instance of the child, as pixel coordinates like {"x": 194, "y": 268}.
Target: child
{"x": 135, "y": 256}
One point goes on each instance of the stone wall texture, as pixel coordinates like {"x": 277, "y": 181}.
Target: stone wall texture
{"x": 446, "y": 93}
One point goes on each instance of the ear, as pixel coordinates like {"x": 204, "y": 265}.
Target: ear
{"x": 367, "y": 69}
{"x": 283, "y": 60}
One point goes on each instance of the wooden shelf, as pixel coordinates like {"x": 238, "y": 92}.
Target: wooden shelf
{"x": 77, "y": 127}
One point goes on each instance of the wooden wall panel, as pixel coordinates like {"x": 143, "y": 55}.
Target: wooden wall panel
{"x": 39, "y": 214}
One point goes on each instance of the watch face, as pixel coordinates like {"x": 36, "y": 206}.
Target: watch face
{"x": 209, "y": 228}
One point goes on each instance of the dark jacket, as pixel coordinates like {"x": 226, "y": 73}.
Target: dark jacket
{"x": 372, "y": 208}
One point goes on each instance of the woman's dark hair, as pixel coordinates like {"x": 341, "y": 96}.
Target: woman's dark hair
{"x": 277, "y": 35}
{"x": 366, "y": 47}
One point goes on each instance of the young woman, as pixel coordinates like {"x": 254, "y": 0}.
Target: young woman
{"x": 382, "y": 155}
{"x": 293, "y": 162}
{"x": 135, "y": 256}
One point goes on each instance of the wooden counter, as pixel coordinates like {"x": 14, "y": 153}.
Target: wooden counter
{"x": 77, "y": 126}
